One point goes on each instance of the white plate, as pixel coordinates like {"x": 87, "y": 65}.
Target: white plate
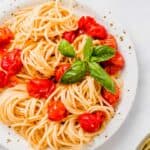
{"x": 12, "y": 141}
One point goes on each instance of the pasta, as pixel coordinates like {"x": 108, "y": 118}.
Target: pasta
{"x": 38, "y": 31}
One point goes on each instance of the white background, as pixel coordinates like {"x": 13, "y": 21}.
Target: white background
{"x": 135, "y": 17}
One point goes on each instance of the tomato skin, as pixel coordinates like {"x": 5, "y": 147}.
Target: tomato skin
{"x": 11, "y": 62}
{"x": 91, "y": 27}
{"x": 3, "y": 79}
{"x": 40, "y": 88}
{"x": 115, "y": 64}
{"x": 6, "y": 35}
{"x": 112, "y": 99}
{"x": 60, "y": 70}
{"x": 56, "y": 111}
{"x": 109, "y": 41}
{"x": 91, "y": 122}
{"x": 70, "y": 36}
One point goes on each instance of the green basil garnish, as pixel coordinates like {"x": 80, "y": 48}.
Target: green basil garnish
{"x": 87, "y": 50}
{"x": 66, "y": 49}
{"x": 102, "y": 53}
{"x": 75, "y": 73}
{"x": 100, "y": 75}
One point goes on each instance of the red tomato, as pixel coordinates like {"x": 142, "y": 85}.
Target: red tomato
{"x": 86, "y": 21}
{"x": 109, "y": 41}
{"x": 56, "y": 111}
{"x": 115, "y": 64}
{"x": 11, "y": 62}
{"x": 117, "y": 60}
{"x": 60, "y": 70}
{"x": 40, "y": 88}
{"x": 92, "y": 28}
{"x": 97, "y": 31}
{"x": 70, "y": 36}
{"x": 6, "y": 35}
{"x": 3, "y": 79}
{"x": 91, "y": 122}
{"x": 112, "y": 99}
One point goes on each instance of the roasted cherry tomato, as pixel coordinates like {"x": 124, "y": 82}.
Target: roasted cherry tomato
{"x": 115, "y": 64}
{"x": 112, "y": 99}
{"x": 60, "y": 70}
{"x": 117, "y": 60}
{"x": 6, "y": 35}
{"x": 109, "y": 41}
{"x": 92, "y": 28}
{"x": 56, "y": 111}
{"x": 91, "y": 122}
{"x": 97, "y": 31}
{"x": 70, "y": 36}
{"x": 3, "y": 79}
{"x": 40, "y": 88}
{"x": 11, "y": 62}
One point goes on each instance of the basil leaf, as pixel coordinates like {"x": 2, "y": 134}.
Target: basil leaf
{"x": 88, "y": 49}
{"x": 100, "y": 75}
{"x": 66, "y": 49}
{"x": 102, "y": 53}
{"x": 75, "y": 73}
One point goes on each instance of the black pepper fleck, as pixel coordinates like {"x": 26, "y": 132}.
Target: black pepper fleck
{"x": 130, "y": 47}
{"x": 8, "y": 140}
{"x": 128, "y": 90}
{"x": 9, "y": 126}
{"x": 104, "y": 17}
{"x": 119, "y": 113}
{"x": 121, "y": 38}
{"x": 106, "y": 136}
{"x": 111, "y": 24}
{"x": 124, "y": 32}
{"x": 18, "y": 140}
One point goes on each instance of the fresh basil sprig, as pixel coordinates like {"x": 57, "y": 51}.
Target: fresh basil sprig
{"x": 66, "y": 49}
{"x": 88, "y": 49}
{"x": 100, "y": 75}
{"x": 75, "y": 73}
{"x": 102, "y": 53}
{"x": 92, "y": 55}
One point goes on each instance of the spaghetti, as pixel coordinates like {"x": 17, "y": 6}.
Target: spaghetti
{"x": 38, "y": 32}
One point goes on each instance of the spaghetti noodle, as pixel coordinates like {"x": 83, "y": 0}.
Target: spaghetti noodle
{"x": 38, "y": 31}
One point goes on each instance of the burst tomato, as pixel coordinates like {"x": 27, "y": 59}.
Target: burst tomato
{"x": 91, "y": 122}
{"x": 115, "y": 64}
{"x": 111, "y": 98}
{"x": 70, "y": 36}
{"x": 109, "y": 41}
{"x": 11, "y": 62}
{"x": 40, "y": 88}
{"x": 60, "y": 70}
{"x": 92, "y": 28}
{"x": 3, "y": 79}
{"x": 6, "y": 35}
{"x": 56, "y": 111}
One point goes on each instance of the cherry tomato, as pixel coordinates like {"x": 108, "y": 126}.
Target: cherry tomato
{"x": 70, "y": 36}
{"x": 11, "y": 62}
{"x": 40, "y": 88}
{"x": 118, "y": 60}
{"x": 112, "y": 99}
{"x": 109, "y": 41}
{"x": 91, "y": 122}
{"x": 60, "y": 70}
{"x": 97, "y": 31}
{"x": 3, "y": 79}
{"x": 6, "y": 35}
{"x": 115, "y": 64}
{"x": 92, "y": 28}
{"x": 85, "y": 22}
{"x": 56, "y": 111}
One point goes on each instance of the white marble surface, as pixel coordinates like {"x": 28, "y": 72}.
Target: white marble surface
{"x": 135, "y": 16}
